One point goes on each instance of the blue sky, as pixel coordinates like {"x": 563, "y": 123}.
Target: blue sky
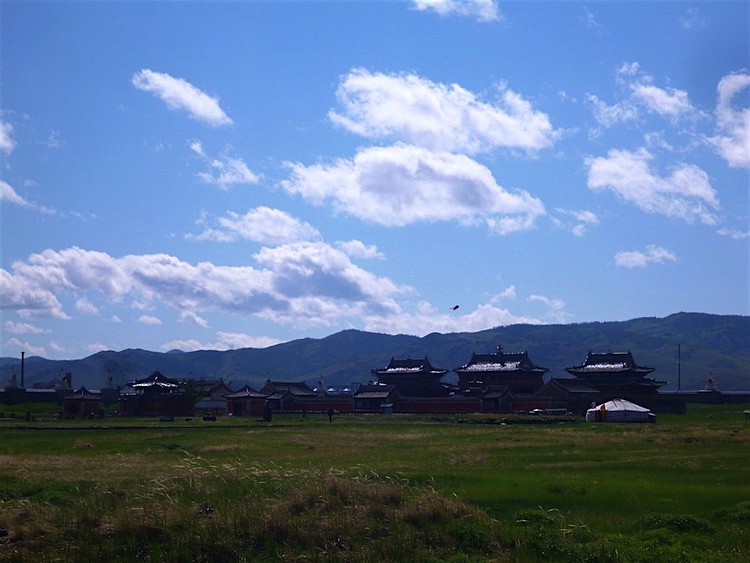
{"x": 216, "y": 175}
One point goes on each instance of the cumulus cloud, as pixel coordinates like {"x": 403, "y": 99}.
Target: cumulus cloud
{"x": 508, "y": 293}
{"x": 555, "y": 308}
{"x": 179, "y": 94}
{"x": 225, "y": 171}
{"x": 638, "y": 92}
{"x": 403, "y": 184}
{"x": 640, "y": 259}
{"x": 225, "y": 341}
{"x": 440, "y": 117}
{"x": 358, "y": 249}
{"x": 85, "y": 306}
{"x": 28, "y": 297}
{"x": 427, "y": 319}
{"x": 732, "y": 139}
{"x": 149, "y": 320}
{"x": 7, "y": 143}
{"x": 309, "y": 283}
{"x": 481, "y": 10}
{"x": 263, "y": 225}
{"x": 684, "y": 194}
{"x": 670, "y": 101}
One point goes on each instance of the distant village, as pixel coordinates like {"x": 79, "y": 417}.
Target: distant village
{"x": 497, "y": 382}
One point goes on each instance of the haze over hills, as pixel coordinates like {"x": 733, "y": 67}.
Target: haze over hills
{"x": 717, "y": 345}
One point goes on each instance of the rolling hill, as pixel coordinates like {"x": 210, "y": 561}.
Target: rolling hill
{"x": 717, "y": 345}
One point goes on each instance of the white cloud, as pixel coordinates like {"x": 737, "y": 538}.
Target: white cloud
{"x": 97, "y": 347}
{"x": 732, "y": 139}
{"x": 684, "y": 194}
{"x": 7, "y": 193}
{"x": 83, "y": 305}
{"x": 307, "y": 283}
{"x": 262, "y": 225}
{"x": 481, "y": 10}
{"x": 401, "y": 185}
{"x": 23, "y": 328}
{"x": 734, "y": 233}
{"x": 609, "y": 115}
{"x": 27, "y": 347}
{"x": 670, "y": 102}
{"x": 28, "y": 297}
{"x": 7, "y": 143}
{"x": 427, "y": 319}
{"x": 581, "y": 220}
{"x": 179, "y": 94}
{"x": 508, "y": 293}
{"x": 315, "y": 270}
{"x": 226, "y": 341}
{"x": 237, "y": 340}
{"x": 555, "y": 308}
{"x": 440, "y": 117}
{"x": 590, "y": 19}
{"x": 191, "y": 318}
{"x": 225, "y": 171}
{"x": 149, "y": 320}
{"x": 640, "y": 259}
{"x": 358, "y": 249}
{"x": 693, "y": 18}
{"x": 639, "y": 92}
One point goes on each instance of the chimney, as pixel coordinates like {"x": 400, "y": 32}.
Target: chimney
{"x": 22, "y": 369}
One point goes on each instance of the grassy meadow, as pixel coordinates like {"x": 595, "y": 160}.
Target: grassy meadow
{"x": 376, "y": 488}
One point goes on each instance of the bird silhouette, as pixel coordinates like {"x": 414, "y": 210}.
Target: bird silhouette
{"x": 454, "y": 307}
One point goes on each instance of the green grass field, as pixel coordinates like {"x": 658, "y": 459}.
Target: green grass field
{"x": 376, "y": 488}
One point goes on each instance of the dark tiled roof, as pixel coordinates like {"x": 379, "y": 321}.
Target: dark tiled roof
{"x": 609, "y": 362}
{"x": 246, "y": 392}
{"x": 410, "y": 365}
{"x": 374, "y": 391}
{"x": 298, "y": 389}
{"x": 500, "y": 361}
{"x": 156, "y": 379}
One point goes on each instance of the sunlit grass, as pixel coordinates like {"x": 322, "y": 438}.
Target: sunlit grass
{"x": 376, "y": 488}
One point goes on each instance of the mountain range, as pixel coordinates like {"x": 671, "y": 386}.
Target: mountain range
{"x": 685, "y": 348}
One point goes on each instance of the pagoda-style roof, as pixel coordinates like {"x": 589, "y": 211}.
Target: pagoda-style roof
{"x": 609, "y": 363}
{"x": 410, "y": 367}
{"x": 156, "y": 381}
{"x": 500, "y": 362}
{"x": 298, "y": 389}
{"x": 246, "y": 392}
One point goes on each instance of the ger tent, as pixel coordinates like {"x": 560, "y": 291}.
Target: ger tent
{"x": 619, "y": 410}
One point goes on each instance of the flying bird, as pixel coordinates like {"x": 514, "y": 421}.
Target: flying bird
{"x": 454, "y": 307}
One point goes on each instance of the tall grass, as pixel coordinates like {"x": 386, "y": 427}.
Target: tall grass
{"x": 376, "y": 489}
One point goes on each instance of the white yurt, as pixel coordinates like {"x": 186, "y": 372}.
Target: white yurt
{"x": 619, "y": 410}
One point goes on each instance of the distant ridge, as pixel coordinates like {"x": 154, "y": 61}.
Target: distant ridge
{"x": 711, "y": 345}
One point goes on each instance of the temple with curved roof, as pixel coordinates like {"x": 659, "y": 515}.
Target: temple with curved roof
{"x": 616, "y": 374}
{"x": 514, "y": 370}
